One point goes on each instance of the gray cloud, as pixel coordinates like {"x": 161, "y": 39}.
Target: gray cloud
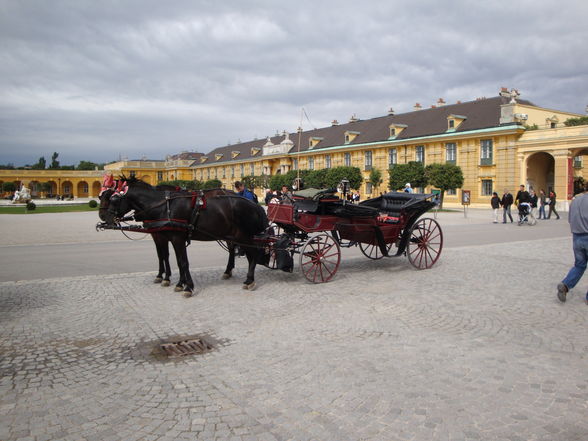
{"x": 95, "y": 80}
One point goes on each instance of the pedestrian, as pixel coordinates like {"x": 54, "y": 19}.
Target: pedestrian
{"x": 242, "y": 191}
{"x": 552, "y": 201}
{"x": 268, "y": 196}
{"x": 495, "y": 203}
{"x": 542, "y": 202}
{"x": 506, "y": 202}
{"x": 533, "y": 201}
{"x": 408, "y": 188}
{"x": 523, "y": 197}
{"x": 578, "y": 219}
{"x": 286, "y": 194}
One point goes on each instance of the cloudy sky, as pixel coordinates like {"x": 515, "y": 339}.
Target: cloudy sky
{"x": 98, "y": 80}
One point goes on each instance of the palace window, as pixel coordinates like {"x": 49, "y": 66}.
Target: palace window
{"x": 295, "y": 164}
{"x": 420, "y": 153}
{"x": 242, "y": 170}
{"x": 392, "y": 157}
{"x": 160, "y": 175}
{"x": 347, "y": 159}
{"x": 311, "y": 163}
{"x": 84, "y": 188}
{"x": 486, "y": 155}
{"x": 450, "y": 152}
{"x": 132, "y": 173}
{"x": 368, "y": 160}
{"x": 224, "y": 173}
{"x": 327, "y": 161}
{"x": 368, "y": 187}
{"x": 451, "y": 192}
{"x": 577, "y": 162}
{"x": 486, "y": 187}
{"x": 232, "y": 172}
{"x": 252, "y": 169}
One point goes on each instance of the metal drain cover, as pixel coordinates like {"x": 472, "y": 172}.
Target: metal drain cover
{"x": 186, "y": 347}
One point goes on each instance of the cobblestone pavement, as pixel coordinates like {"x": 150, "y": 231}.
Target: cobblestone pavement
{"x": 477, "y": 348}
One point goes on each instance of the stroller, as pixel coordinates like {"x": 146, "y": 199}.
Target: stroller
{"x": 526, "y": 214}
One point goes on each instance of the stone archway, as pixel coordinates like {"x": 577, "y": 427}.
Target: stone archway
{"x": 541, "y": 172}
{"x": 35, "y": 187}
{"x": 66, "y": 188}
{"x": 83, "y": 189}
{"x": 52, "y": 188}
{"x": 96, "y": 187}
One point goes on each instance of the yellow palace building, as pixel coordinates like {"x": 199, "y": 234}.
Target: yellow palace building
{"x": 499, "y": 143}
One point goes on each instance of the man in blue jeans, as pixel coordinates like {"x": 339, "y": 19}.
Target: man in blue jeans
{"x": 578, "y": 219}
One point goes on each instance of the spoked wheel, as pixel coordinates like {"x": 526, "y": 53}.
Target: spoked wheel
{"x": 320, "y": 258}
{"x": 373, "y": 251}
{"x": 425, "y": 243}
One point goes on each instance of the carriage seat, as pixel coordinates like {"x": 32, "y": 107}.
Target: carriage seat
{"x": 393, "y": 203}
{"x": 310, "y": 199}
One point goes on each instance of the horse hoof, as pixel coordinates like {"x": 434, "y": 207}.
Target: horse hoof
{"x": 157, "y": 280}
{"x": 249, "y": 287}
{"x": 165, "y": 283}
{"x": 226, "y": 276}
{"x": 187, "y": 294}
{"x": 178, "y": 289}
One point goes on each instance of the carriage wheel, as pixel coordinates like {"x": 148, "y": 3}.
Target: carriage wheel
{"x": 425, "y": 243}
{"x": 320, "y": 258}
{"x": 373, "y": 251}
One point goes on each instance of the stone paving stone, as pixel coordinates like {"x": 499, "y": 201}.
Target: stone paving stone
{"x": 471, "y": 349}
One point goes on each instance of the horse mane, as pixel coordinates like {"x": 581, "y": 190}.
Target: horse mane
{"x": 136, "y": 182}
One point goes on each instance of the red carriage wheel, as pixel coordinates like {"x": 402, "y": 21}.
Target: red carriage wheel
{"x": 425, "y": 243}
{"x": 373, "y": 251}
{"x": 320, "y": 258}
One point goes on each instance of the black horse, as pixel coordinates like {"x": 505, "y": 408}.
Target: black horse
{"x": 213, "y": 215}
{"x": 160, "y": 240}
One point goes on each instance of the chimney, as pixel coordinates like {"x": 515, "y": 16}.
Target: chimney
{"x": 440, "y": 102}
{"x": 458, "y": 102}
{"x": 390, "y": 111}
{"x": 353, "y": 118}
{"x": 334, "y": 123}
{"x": 418, "y": 106}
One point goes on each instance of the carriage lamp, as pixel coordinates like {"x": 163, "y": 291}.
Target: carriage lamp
{"x": 343, "y": 187}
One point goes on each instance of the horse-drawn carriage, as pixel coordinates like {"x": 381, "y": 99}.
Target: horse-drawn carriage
{"x": 315, "y": 224}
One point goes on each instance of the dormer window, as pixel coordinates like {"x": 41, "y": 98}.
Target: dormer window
{"x": 234, "y": 154}
{"x": 454, "y": 121}
{"x": 350, "y": 136}
{"x": 255, "y": 151}
{"x": 396, "y": 129}
{"x": 218, "y": 156}
{"x": 313, "y": 141}
{"x": 552, "y": 122}
{"x": 203, "y": 159}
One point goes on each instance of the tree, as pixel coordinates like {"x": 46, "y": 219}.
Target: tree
{"x": 54, "y": 162}
{"x": 40, "y": 165}
{"x": 375, "y": 179}
{"x": 88, "y": 165}
{"x": 413, "y": 172}
{"x": 316, "y": 179}
{"x": 444, "y": 177}
{"x": 580, "y": 121}
{"x": 337, "y": 174}
{"x": 8, "y": 187}
{"x": 8, "y": 166}
{"x": 212, "y": 183}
